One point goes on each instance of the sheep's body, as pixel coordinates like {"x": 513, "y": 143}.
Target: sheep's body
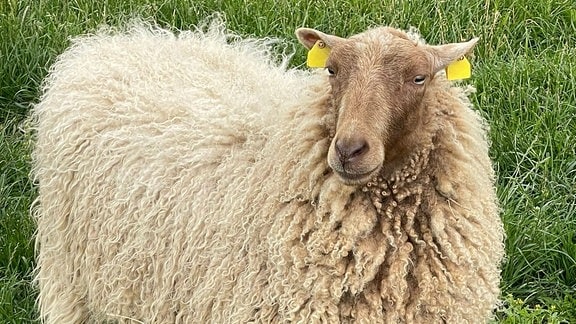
{"x": 185, "y": 180}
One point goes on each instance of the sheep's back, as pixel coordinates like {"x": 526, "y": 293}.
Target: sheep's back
{"x": 138, "y": 135}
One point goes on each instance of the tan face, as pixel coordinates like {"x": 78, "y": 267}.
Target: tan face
{"x": 378, "y": 81}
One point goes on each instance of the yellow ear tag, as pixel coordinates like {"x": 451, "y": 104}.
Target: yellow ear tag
{"x": 458, "y": 70}
{"x": 318, "y": 55}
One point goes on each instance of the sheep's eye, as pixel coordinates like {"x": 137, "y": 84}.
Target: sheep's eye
{"x": 419, "y": 79}
{"x": 331, "y": 71}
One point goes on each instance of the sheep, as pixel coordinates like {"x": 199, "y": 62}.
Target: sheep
{"x": 196, "y": 178}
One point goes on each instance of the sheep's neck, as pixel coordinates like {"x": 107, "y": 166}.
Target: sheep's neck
{"x": 399, "y": 183}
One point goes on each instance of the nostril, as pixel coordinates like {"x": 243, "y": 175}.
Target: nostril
{"x": 351, "y": 148}
{"x": 359, "y": 148}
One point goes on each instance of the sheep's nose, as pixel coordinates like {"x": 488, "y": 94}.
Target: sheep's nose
{"x": 351, "y": 149}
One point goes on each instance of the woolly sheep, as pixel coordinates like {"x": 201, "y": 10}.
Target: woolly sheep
{"x": 196, "y": 179}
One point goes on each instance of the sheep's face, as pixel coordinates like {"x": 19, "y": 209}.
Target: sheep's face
{"x": 378, "y": 81}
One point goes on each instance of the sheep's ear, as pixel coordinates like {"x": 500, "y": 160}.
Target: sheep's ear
{"x": 308, "y": 37}
{"x": 445, "y": 54}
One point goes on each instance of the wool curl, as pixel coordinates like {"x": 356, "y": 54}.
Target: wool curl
{"x": 183, "y": 179}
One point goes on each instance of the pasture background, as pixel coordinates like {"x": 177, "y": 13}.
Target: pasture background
{"x": 524, "y": 72}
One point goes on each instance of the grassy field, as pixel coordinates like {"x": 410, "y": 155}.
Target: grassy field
{"x": 524, "y": 71}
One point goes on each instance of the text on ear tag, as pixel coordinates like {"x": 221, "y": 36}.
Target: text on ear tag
{"x": 318, "y": 55}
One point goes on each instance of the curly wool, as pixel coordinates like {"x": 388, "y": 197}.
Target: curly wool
{"x": 183, "y": 179}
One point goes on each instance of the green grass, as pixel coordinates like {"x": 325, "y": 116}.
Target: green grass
{"x": 524, "y": 70}
{"x": 16, "y": 227}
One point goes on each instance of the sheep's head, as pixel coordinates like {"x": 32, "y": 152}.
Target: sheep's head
{"x": 378, "y": 81}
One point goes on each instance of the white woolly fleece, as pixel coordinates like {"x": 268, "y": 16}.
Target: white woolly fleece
{"x": 183, "y": 179}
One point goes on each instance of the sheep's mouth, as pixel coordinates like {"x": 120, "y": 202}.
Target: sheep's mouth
{"x": 356, "y": 178}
